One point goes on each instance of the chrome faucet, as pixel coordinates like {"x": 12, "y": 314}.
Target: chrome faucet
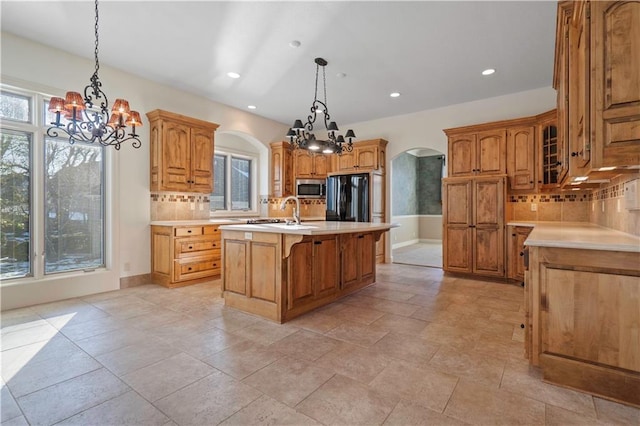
{"x": 296, "y": 209}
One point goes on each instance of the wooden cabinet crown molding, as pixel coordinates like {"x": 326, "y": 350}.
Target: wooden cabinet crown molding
{"x": 158, "y": 114}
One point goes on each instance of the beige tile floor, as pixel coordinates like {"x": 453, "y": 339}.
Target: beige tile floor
{"x": 416, "y": 348}
{"x": 420, "y": 254}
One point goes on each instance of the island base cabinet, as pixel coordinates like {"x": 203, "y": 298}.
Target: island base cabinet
{"x": 252, "y": 273}
{"x": 312, "y": 278}
{"x": 584, "y": 313}
{"x": 282, "y": 276}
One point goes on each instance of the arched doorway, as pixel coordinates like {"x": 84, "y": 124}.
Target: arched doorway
{"x": 416, "y": 204}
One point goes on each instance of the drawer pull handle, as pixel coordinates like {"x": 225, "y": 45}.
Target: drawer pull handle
{"x": 215, "y": 264}
{"x": 190, "y": 247}
{"x": 522, "y": 284}
{"x": 188, "y": 231}
{"x": 214, "y": 244}
{"x": 188, "y": 269}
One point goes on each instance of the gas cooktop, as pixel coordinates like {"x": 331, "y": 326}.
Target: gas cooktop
{"x": 264, "y": 220}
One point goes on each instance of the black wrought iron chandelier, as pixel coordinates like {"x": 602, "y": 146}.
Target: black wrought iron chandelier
{"x": 302, "y": 136}
{"x": 86, "y": 121}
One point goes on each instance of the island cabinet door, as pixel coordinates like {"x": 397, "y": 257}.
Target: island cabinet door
{"x": 300, "y": 285}
{"x": 326, "y": 274}
{"x": 358, "y": 261}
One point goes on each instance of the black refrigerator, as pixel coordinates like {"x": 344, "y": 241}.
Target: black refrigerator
{"x": 348, "y": 198}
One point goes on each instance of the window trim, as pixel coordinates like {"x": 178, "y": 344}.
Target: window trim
{"x": 37, "y": 127}
{"x": 253, "y": 189}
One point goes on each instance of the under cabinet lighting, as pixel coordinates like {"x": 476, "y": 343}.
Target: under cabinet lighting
{"x": 580, "y": 178}
{"x": 606, "y": 169}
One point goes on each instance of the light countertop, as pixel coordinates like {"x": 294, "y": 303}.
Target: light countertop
{"x": 311, "y": 228}
{"x": 578, "y": 235}
{"x": 196, "y": 222}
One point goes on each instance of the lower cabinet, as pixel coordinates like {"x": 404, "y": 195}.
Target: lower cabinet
{"x": 184, "y": 255}
{"x": 282, "y": 276}
{"x": 516, "y": 236}
{"x": 358, "y": 261}
{"x": 584, "y": 311}
{"x": 312, "y": 275}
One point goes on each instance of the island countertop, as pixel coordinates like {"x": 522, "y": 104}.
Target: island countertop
{"x": 311, "y": 228}
{"x": 578, "y": 235}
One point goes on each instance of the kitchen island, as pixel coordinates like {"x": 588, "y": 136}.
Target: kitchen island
{"x": 582, "y": 305}
{"x": 280, "y": 271}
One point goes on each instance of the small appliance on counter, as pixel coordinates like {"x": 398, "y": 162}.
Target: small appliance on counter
{"x": 348, "y": 198}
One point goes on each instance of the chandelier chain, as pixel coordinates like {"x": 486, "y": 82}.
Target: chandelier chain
{"x": 96, "y": 32}
{"x": 324, "y": 84}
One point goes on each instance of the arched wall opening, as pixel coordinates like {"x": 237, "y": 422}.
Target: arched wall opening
{"x": 416, "y": 205}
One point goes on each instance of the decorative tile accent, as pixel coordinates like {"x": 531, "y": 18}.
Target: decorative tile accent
{"x": 548, "y": 198}
{"x": 179, "y": 198}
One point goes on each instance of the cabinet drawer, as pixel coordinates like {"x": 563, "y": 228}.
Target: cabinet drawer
{"x": 189, "y": 247}
{"x": 187, "y": 231}
{"x": 194, "y": 268}
{"x": 211, "y": 230}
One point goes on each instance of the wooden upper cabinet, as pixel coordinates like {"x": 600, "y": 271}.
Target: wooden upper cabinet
{"x": 477, "y": 152}
{"x": 462, "y": 154}
{"x": 548, "y": 150}
{"x": 521, "y": 153}
{"x": 181, "y": 153}
{"x": 366, "y": 155}
{"x": 310, "y": 165}
{"x": 579, "y": 89}
{"x": 281, "y": 170}
{"x": 615, "y": 82}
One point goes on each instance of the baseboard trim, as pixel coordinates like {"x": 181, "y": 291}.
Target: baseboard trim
{"x": 135, "y": 281}
{"x": 404, "y": 244}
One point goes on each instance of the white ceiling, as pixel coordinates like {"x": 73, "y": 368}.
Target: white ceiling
{"x": 431, "y": 52}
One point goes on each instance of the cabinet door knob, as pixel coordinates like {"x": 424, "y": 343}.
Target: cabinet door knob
{"x": 522, "y": 284}
{"x": 189, "y": 268}
{"x": 521, "y": 325}
{"x": 574, "y": 154}
{"x": 190, "y": 247}
{"x": 513, "y": 235}
{"x": 521, "y": 253}
{"x": 214, "y": 244}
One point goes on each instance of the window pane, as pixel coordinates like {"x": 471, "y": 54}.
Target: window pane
{"x": 240, "y": 184}
{"x": 15, "y": 107}
{"x": 74, "y": 213}
{"x": 219, "y": 198}
{"x": 15, "y": 204}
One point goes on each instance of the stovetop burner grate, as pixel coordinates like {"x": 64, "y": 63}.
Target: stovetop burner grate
{"x": 261, "y": 220}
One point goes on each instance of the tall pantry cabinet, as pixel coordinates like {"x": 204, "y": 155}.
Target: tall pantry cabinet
{"x": 473, "y": 235}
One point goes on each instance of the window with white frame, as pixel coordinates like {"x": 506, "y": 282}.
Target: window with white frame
{"x": 52, "y": 200}
{"x": 234, "y": 183}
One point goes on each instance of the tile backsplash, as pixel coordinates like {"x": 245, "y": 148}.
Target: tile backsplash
{"x": 606, "y": 208}
{"x": 309, "y": 207}
{"x": 179, "y": 206}
{"x": 549, "y": 207}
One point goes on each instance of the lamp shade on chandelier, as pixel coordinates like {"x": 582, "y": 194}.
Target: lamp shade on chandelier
{"x": 87, "y": 117}
{"x": 301, "y": 135}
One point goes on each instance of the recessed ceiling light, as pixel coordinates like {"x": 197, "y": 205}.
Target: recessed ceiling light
{"x": 488, "y": 71}
{"x": 395, "y": 94}
{"x": 233, "y": 74}
{"x": 251, "y": 107}
{"x": 295, "y": 44}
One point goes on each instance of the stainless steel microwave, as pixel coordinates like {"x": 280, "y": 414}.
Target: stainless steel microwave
{"x": 311, "y": 188}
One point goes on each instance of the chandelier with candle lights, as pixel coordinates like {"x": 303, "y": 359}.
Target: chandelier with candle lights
{"x": 302, "y": 136}
{"x": 88, "y": 119}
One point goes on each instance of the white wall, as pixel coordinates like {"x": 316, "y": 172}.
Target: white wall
{"x": 52, "y": 71}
